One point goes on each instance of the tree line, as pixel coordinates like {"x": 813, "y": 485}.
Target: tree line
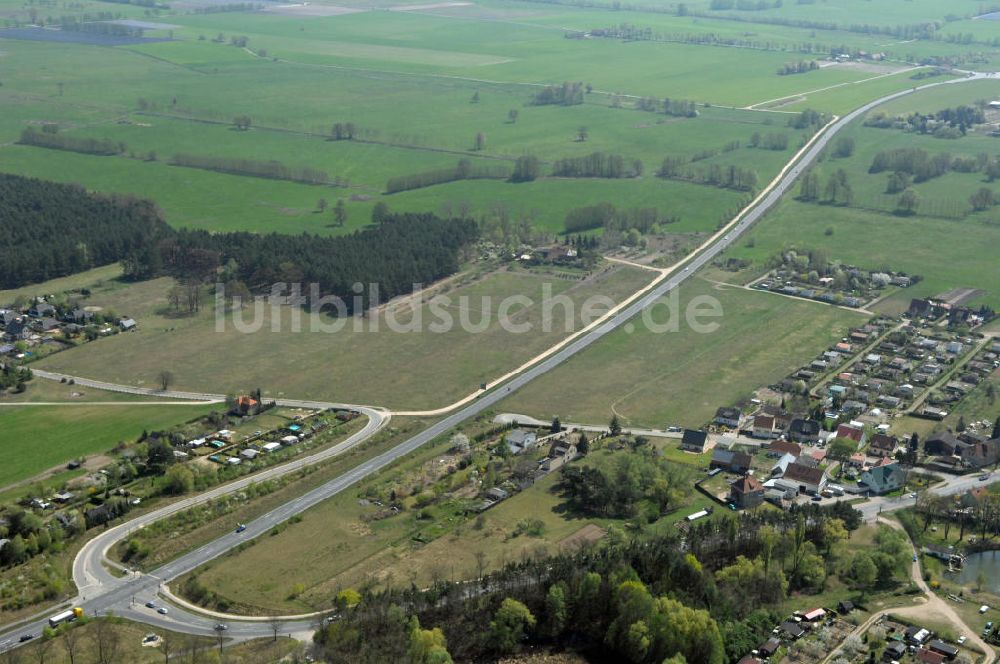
{"x": 800, "y": 67}
{"x": 463, "y": 170}
{"x": 55, "y": 141}
{"x": 716, "y": 175}
{"x": 49, "y": 230}
{"x": 271, "y": 169}
{"x": 610, "y": 218}
{"x": 917, "y": 163}
{"x": 597, "y": 165}
{"x": 567, "y": 94}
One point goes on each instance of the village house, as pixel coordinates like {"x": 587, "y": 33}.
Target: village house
{"x": 781, "y": 447}
{"x": 763, "y": 426}
{"x": 561, "y": 452}
{"x": 779, "y": 468}
{"x": 746, "y": 492}
{"x": 857, "y": 434}
{"x": 943, "y": 444}
{"x": 728, "y": 416}
{"x": 808, "y": 480}
{"x": 520, "y": 441}
{"x": 734, "y": 462}
{"x": 804, "y": 431}
{"x": 694, "y": 441}
{"x": 882, "y": 445}
{"x": 883, "y": 479}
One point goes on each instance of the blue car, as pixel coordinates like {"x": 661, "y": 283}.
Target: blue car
{"x": 240, "y": 528}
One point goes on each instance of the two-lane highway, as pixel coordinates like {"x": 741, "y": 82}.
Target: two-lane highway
{"x": 101, "y": 591}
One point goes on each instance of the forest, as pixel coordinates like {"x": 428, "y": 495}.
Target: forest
{"x": 402, "y": 250}
{"x": 708, "y": 596}
{"x": 50, "y": 230}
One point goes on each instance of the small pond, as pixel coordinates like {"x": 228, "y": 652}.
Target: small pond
{"x": 987, "y": 562}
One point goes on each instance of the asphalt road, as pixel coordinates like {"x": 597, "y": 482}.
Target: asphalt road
{"x": 101, "y": 591}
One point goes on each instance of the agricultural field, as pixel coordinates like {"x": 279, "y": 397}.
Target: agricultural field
{"x": 396, "y": 369}
{"x": 40, "y": 437}
{"x": 458, "y": 72}
{"x": 680, "y": 378}
{"x": 944, "y": 240}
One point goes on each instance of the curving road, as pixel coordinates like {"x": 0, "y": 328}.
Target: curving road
{"x": 101, "y": 591}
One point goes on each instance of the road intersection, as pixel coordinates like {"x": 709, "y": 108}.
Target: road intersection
{"x": 101, "y": 591}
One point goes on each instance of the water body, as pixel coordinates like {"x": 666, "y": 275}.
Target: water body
{"x": 987, "y": 562}
{"x": 993, "y": 16}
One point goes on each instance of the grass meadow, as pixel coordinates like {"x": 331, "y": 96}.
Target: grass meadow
{"x": 398, "y": 370}
{"x": 37, "y": 438}
{"x": 680, "y": 378}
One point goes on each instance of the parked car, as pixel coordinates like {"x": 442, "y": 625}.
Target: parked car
{"x": 961, "y": 640}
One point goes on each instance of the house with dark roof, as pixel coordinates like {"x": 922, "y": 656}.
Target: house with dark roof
{"x": 18, "y": 331}
{"x": 808, "y": 480}
{"x": 79, "y": 316}
{"x": 804, "y": 431}
{"x": 746, "y": 492}
{"x": 982, "y": 454}
{"x": 769, "y": 647}
{"x": 882, "y": 445}
{"x": 782, "y": 447}
{"x": 734, "y": 462}
{"x": 763, "y": 426}
{"x": 943, "y": 443}
{"x": 40, "y": 309}
{"x": 694, "y": 441}
{"x": 894, "y": 651}
{"x": 942, "y": 648}
{"x": 728, "y": 416}
{"x": 792, "y": 629}
{"x": 883, "y": 479}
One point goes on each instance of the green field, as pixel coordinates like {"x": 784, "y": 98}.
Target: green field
{"x": 367, "y": 67}
{"x": 653, "y": 379}
{"x": 37, "y": 438}
{"x": 401, "y": 370}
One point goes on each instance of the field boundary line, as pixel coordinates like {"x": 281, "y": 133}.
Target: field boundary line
{"x": 663, "y": 274}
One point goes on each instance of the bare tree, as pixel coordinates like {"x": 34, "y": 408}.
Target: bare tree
{"x": 71, "y": 642}
{"x": 480, "y": 564}
{"x": 107, "y": 642}
{"x": 166, "y": 379}
{"x": 41, "y": 649}
{"x": 166, "y": 646}
{"x": 275, "y": 627}
{"x": 12, "y": 656}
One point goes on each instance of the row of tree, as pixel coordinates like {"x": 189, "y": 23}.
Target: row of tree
{"x": 800, "y": 67}
{"x": 598, "y": 165}
{"x": 567, "y": 94}
{"x": 258, "y": 168}
{"x": 463, "y": 170}
{"x": 612, "y": 219}
{"x": 55, "y": 141}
